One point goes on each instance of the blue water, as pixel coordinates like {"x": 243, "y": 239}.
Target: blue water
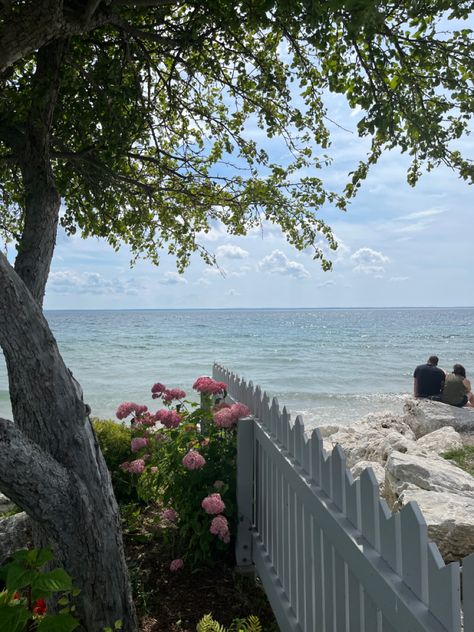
{"x": 329, "y": 365}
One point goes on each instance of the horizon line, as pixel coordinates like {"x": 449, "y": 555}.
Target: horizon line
{"x": 220, "y": 309}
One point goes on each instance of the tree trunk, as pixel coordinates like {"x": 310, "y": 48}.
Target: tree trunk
{"x": 50, "y": 461}
{"x": 60, "y": 477}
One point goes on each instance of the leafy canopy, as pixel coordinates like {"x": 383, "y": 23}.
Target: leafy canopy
{"x": 149, "y": 143}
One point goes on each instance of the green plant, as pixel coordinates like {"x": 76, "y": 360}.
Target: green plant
{"x": 463, "y": 457}
{"x": 114, "y": 440}
{"x": 188, "y": 467}
{"x": 27, "y": 588}
{"x": 250, "y": 624}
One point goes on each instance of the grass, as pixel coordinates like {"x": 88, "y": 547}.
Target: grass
{"x": 463, "y": 457}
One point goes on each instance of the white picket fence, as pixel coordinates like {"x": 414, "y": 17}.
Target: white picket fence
{"x": 330, "y": 554}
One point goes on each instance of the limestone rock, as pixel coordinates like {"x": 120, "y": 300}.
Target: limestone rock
{"x": 15, "y": 533}
{"x": 429, "y": 473}
{"x": 424, "y": 416}
{"x": 377, "y": 469}
{"x": 372, "y": 439}
{"x": 5, "y": 504}
{"x": 328, "y": 429}
{"x": 440, "y": 441}
{"x": 450, "y": 520}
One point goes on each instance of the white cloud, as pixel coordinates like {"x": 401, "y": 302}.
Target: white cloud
{"x": 72, "y": 282}
{"x": 230, "y": 251}
{"x": 172, "y": 278}
{"x": 398, "y": 279}
{"x": 368, "y": 261}
{"x": 278, "y": 263}
{"x": 431, "y": 212}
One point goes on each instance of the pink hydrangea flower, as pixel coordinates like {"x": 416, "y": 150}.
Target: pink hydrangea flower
{"x": 171, "y": 394}
{"x": 220, "y": 528}
{"x": 129, "y": 408}
{"x": 193, "y": 460}
{"x": 169, "y": 418}
{"x": 158, "y": 388}
{"x": 224, "y": 418}
{"x": 220, "y": 406}
{"x": 207, "y": 385}
{"x": 138, "y": 443}
{"x": 240, "y": 410}
{"x": 213, "y": 504}
{"x": 134, "y": 467}
{"x": 176, "y": 565}
{"x": 169, "y": 515}
{"x": 147, "y": 419}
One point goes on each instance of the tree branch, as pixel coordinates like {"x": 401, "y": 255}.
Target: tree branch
{"x": 30, "y": 477}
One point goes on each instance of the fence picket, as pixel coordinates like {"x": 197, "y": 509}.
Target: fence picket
{"x": 354, "y": 597}
{"x": 414, "y": 544}
{"x": 298, "y": 432}
{"x": 369, "y": 497}
{"x": 326, "y": 475}
{"x": 309, "y": 570}
{"x": 444, "y": 589}
{"x": 316, "y": 454}
{"x": 328, "y": 570}
{"x": 285, "y": 428}
{"x": 390, "y": 537}
{"x": 467, "y": 592}
{"x": 340, "y": 592}
{"x": 352, "y": 495}
{"x": 274, "y": 416}
{"x": 265, "y": 412}
{"x": 338, "y": 465}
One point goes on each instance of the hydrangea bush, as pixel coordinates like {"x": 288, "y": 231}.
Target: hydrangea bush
{"x": 184, "y": 458}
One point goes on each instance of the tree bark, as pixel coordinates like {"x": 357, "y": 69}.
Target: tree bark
{"x": 60, "y": 477}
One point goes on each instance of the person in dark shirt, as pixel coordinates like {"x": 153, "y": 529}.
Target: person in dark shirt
{"x": 428, "y": 379}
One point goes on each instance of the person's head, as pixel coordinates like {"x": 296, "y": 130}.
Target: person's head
{"x": 458, "y": 369}
{"x": 433, "y": 360}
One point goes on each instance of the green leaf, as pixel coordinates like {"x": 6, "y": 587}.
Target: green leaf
{"x": 58, "y": 623}
{"x": 13, "y": 618}
{"x": 18, "y": 577}
{"x": 53, "y": 581}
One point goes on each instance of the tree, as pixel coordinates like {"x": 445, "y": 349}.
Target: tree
{"x": 133, "y": 115}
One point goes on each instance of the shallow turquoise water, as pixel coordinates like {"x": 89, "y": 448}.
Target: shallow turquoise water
{"x": 330, "y": 365}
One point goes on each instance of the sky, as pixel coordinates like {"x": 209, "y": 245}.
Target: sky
{"x": 398, "y": 246}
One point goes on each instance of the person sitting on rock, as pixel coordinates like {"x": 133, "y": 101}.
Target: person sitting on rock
{"x": 428, "y": 379}
{"x": 457, "y": 388}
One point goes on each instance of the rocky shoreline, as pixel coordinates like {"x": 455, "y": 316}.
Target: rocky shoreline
{"x": 405, "y": 454}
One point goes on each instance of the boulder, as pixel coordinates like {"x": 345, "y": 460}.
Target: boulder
{"x": 427, "y": 472}
{"x": 450, "y": 520}
{"x": 424, "y": 416}
{"x": 377, "y": 469}
{"x": 5, "y": 504}
{"x": 441, "y": 441}
{"x": 372, "y": 439}
{"x": 15, "y": 533}
{"x": 328, "y": 429}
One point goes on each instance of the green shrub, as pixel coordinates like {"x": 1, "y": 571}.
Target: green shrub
{"x": 114, "y": 440}
{"x": 188, "y": 468}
